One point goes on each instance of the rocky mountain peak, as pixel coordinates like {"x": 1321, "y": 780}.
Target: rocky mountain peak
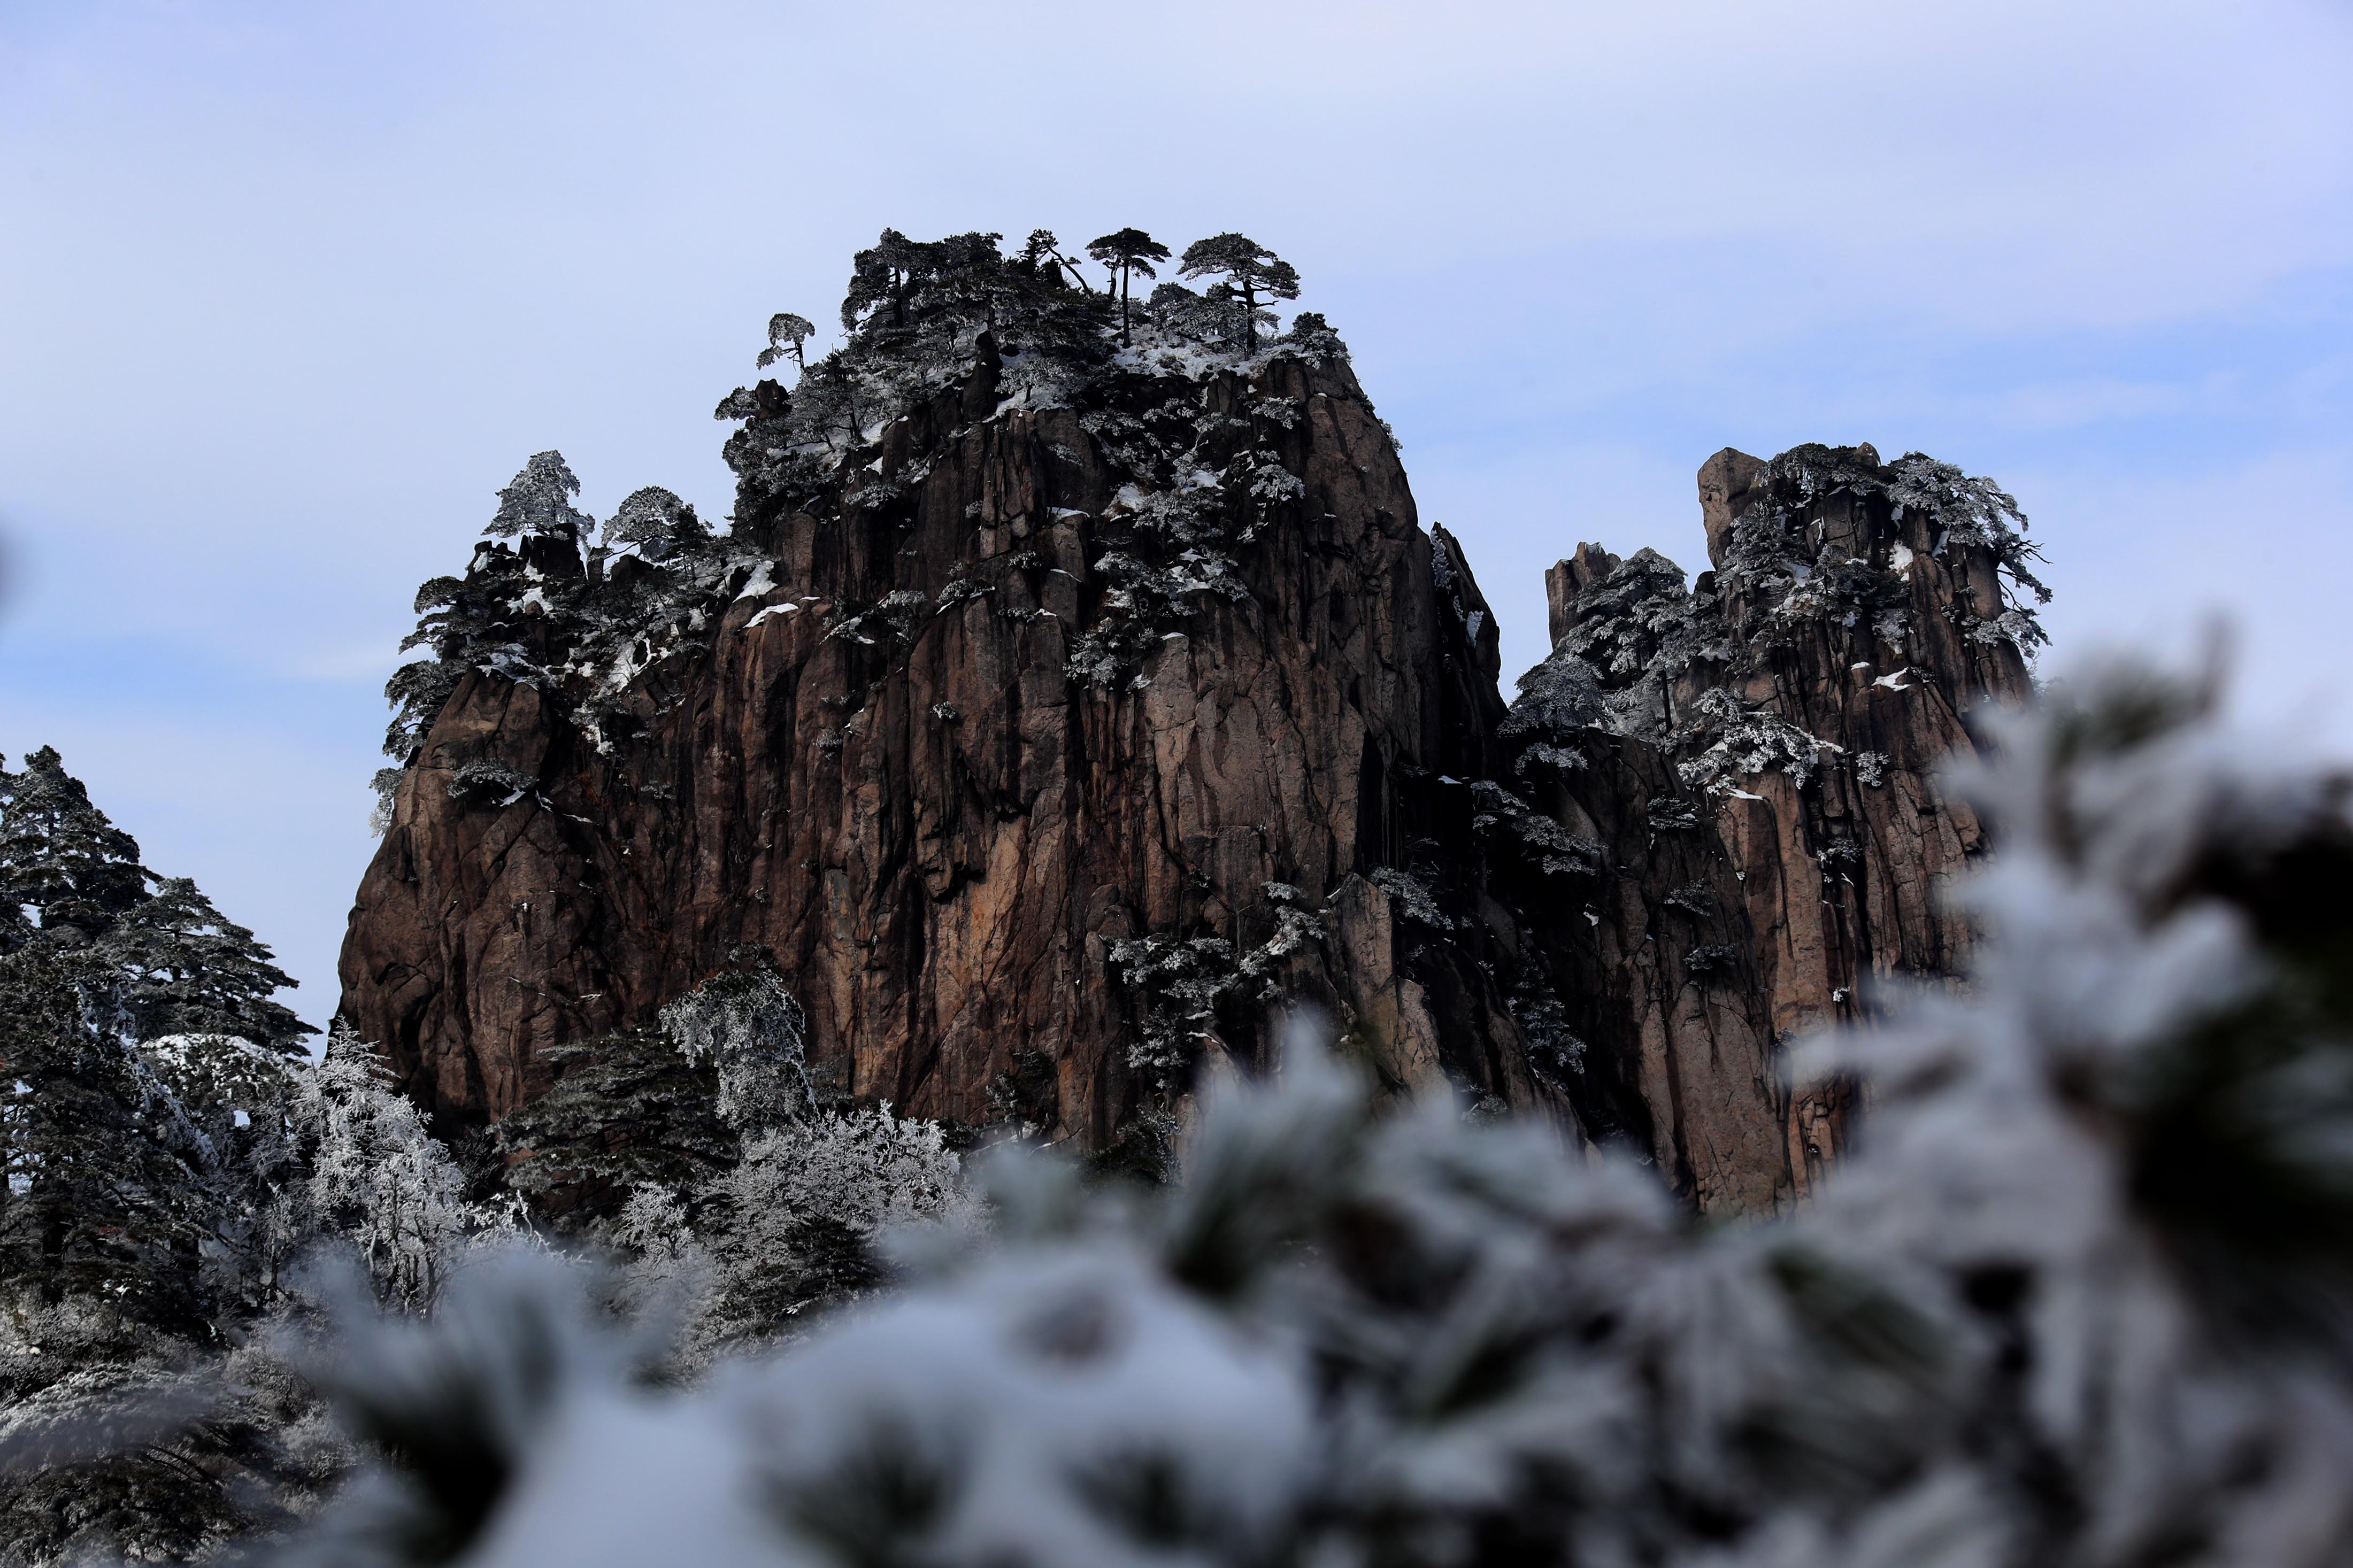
{"x": 1076, "y": 691}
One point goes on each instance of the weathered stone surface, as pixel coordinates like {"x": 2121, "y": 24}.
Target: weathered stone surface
{"x": 1723, "y": 482}
{"x": 1657, "y": 981}
{"x": 943, "y": 838}
{"x": 1854, "y": 640}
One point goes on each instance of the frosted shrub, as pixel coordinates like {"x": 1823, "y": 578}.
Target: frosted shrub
{"x": 795, "y": 1222}
{"x": 864, "y": 1169}
{"x": 746, "y": 1024}
{"x": 1746, "y": 742}
{"x": 2083, "y": 1296}
{"x": 701, "y": 1156}
{"x": 377, "y": 1181}
{"x": 2132, "y": 1151}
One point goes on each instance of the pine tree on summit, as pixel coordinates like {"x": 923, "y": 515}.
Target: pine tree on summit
{"x": 1041, "y": 256}
{"x": 1250, "y": 270}
{"x": 656, "y": 522}
{"x": 1129, "y": 253}
{"x": 485, "y": 618}
{"x": 538, "y": 501}
{"x": 885, "y": 273}
{"x": 787, "y": 334}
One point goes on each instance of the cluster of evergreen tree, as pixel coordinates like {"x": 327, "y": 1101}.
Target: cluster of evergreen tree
{"x": 2082, "y": 1298}
{"x": 731, "y": 1187}
{"x": 919, "y": 316}
{"x": 142, "y": 1031}
{"x": 170, "y": 1150}
{"x": 185, "y": 1184}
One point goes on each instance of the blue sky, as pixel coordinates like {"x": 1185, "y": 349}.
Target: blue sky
{"x": 286, "y": 291}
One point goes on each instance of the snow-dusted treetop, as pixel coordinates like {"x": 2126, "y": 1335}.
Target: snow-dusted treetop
{"x": 539, "y": 501}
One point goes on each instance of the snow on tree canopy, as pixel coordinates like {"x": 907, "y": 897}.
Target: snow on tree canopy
{"x": 787, "y": 334}
{"x": 1771, "y": 555}
{"x": 654, "y": 520}
{"x": 65, "y": 868}
{"x": 538, "y": 501}
{"x": 748, "y": 1025}
{"x": 1248, "y": 268}
{"x": 379, "y": 1182}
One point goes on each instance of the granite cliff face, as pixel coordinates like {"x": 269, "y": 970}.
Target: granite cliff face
{"x": 1754, "y": 755}
{"x": 1036, "y": 806}
{"x": 1058, "y": 730}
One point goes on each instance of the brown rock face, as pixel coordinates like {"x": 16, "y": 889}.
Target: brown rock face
{"x": 1021, "y": 847}
{"x": 1753, "y": 759}
{"x": 1052, "y": 748}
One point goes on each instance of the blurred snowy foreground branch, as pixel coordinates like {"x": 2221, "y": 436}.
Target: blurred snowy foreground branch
{"x": 2082, "y": 1296}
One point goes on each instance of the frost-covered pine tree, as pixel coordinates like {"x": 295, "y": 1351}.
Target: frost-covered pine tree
{"x": 704, "y": 1153}
{"x": 114, "y": 1219}
{"x": 882, "y": 280}
{"x": 656, "y": 524}
{"x": 515, "y": 606}
{"x": 108, "y": 1196}
{"x": 1250, "y": 270}
{"x": 1041, "y": 257}
{"x": 538, "y": 502}
{"x": 168, "y": 962}
{"x": 145, "y": 1112}
{"x": 188, "y": 969}
{"x": 798, "y": 1220}
{"x": 744, "y": 1022}
{"x": 141, "y": 1145}
{"x": 377, "y": 1182}
{"x": 791, "y": 1218}
{"x": 1128, "y": 254}
{"x": 64, "y": 868}
{"x": 627, "y": 1113}
{"x": 240, "y": 1095}
{"x": 787, "y": 334}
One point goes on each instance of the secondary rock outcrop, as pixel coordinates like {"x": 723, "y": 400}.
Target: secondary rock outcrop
{"x": 1752, "y": 758}
{"x": 1060, "y": 710}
